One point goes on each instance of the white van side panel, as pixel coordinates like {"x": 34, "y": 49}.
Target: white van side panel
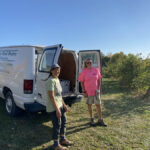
{"x": 17, "y": 64}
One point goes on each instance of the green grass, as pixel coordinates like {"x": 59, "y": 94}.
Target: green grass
{"x": 127, "y": 117}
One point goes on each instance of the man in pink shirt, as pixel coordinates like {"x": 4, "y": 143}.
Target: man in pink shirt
{"x": 90, "y": 78}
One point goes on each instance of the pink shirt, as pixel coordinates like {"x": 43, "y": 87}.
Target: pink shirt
{"x": 90, "y": 79}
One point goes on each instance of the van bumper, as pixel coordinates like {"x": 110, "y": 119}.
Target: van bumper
{"x": 69, "y": 100}
{"x": 34, "y": 107}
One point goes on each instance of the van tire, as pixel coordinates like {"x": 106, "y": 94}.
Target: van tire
{"x": 10, "y": 105}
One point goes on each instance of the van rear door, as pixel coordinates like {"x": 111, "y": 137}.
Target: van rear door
{"x": 94, "y": 55}
{"x": 50, "y": 56}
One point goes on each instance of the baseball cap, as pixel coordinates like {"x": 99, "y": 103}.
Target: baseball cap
{"x": 54, "y": 66}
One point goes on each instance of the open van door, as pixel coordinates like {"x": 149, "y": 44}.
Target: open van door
{"x": 95, "y": 56}
{"x": 49, "y": 56}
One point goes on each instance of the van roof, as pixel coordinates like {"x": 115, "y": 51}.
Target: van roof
{"x": 36, "y": 46}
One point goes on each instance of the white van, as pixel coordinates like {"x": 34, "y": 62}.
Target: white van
{"x": 24, "y": 70}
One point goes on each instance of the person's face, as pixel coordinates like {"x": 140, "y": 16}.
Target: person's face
{"x": 55, "y": 72}
{"x": 89, "y": 63}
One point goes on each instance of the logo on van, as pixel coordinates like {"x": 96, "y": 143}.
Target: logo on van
{"x": 8, "y": 52}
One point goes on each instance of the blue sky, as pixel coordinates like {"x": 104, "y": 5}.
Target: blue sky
{"x": 109, "y": 25}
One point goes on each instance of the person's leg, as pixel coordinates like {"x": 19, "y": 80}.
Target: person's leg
{"x": 89, "y": 102}
{"x": 99, "y": 111}
{"x": 100, "y": 118}
{"x": 56, "y": 132}
{"x": 56, "y": 128}
{"x": 63, "y": 123}
{"x": 63, "y": 140}
{"x": 97, "y": 101}
{"x": 90, "y": 110}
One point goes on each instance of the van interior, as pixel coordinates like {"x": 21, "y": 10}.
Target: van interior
{"x": 67, "y": 62}
{"x": 67, "y": 76}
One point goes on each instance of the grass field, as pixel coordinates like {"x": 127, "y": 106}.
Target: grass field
{"x": 127, "y": 117}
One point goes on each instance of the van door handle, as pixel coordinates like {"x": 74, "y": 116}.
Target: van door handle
{"x": 40, "y": 95}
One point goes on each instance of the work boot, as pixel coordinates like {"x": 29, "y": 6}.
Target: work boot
{"x": 92, "y": 123}
{"x": 101, "y": 123}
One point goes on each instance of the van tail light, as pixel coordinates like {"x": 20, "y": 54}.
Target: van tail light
{"x": 28, "y": 86}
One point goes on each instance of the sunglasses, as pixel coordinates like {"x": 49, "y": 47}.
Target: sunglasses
{"x": 88, "y": 62}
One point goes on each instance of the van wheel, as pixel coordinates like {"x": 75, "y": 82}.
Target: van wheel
{"x": 10, "y": 105}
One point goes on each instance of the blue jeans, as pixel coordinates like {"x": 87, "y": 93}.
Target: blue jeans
{"x": 59, "y": 124}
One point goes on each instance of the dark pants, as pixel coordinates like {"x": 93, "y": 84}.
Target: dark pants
{"x": 59, "y": 124}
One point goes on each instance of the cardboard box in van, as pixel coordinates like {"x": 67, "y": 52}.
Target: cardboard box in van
{"x": 23, "y": 70}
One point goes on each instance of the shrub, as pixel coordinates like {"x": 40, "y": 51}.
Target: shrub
{"x": 132, "y": 71}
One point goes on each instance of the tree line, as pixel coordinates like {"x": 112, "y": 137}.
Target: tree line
{"x": 132, "y": 71}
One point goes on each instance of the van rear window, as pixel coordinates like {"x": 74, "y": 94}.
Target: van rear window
{"x": 47, "y": 60}
{"x": 92, "y": 56}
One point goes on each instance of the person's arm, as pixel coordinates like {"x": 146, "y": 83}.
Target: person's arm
{"x": 82, "y": 79}
{"x": 83, "y": 89}
{"x": 64, "y": 105}
{"x": 82, "y": 86}
{"x": 99, "y": 83}
{"x": 52, "y": 98}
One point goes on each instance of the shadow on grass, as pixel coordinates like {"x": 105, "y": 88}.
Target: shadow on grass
{"x": 25, "y": 131}
{"x": 30, "y": 130}
{"x": 125, "y": 105}
{"x": 77, "y": 128}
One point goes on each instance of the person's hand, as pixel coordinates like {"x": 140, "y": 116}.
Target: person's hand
{"x": 85, "y": 94}
{"x": 58, "y": 113}
{"x": 98, "y": 91}
{"x": 66, "y": 108}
